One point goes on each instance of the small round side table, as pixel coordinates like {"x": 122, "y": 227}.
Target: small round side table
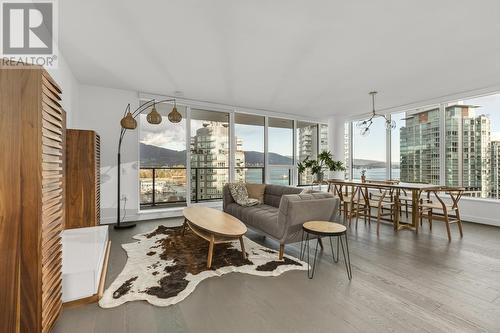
{"x": 325, "y": 229}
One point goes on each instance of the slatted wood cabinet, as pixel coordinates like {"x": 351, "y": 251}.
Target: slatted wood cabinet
{"x": 83, "y": 148}
{"x": 31, "y": 199}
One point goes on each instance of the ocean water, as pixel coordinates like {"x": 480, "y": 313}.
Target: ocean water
{"x": 278, "y": 176}
{"x": 375, "y": 173}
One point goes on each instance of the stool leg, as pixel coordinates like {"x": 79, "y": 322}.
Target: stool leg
{"x": 347, "y": 260}
{"x": 301, "y": 243}
{"x": 320, "y": 243}
{"x": 311, "y": 274}
{"x": 333, "y": 252}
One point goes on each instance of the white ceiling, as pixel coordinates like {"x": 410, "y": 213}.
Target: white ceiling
{"x": 303, "y": 57}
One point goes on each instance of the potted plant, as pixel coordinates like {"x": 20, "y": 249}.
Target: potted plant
{"x": 318, "y": 166}
{"x": 363, "y": 176}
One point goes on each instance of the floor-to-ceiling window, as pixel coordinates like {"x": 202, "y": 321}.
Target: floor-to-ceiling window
{"x": 280, "y": 151}
{"x": 455, "y": 144}
{"x": 209, "y": 148}
{"x": 162, "y": 174}
{"x": 168, "y": 151}
{"x": 249, "y": 152}
{"x": 369, "y": 151}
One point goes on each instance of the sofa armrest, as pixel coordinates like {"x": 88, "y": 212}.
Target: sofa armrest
{"x": 227, "y": 198}
{"x": 296, "y": 209}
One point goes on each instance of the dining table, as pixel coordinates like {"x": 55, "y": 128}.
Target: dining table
{"x": 415, "y": 188}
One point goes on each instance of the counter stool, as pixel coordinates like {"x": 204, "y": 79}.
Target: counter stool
{"x": 325, "y": 229}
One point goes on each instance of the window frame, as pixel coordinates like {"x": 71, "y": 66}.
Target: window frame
{"x": 232, "y": 111}
{"x": 441, "y": 107}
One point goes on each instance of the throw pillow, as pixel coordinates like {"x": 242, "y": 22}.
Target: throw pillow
{"x": 256, "y": 191}
{"x": 240, "y": 195}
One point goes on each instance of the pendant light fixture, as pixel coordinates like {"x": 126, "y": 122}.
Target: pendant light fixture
{"x": 128, "y": 122}
{"x": 364, "y": 125}
{"x": 174, "y": 116}
{"x": 153, "y": 116}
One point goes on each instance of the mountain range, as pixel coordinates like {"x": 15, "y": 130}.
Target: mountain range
{"x": 154, "y": 156}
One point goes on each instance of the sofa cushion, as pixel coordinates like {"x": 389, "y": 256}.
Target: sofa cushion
{"x": 262, "y": 217}
{"x": 256, "y": 191}
{"x": 240, "y": 195}
{"x": 273, "y": 193}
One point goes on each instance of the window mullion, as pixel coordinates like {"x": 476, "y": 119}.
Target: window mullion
{"x": 442, "y": 143}
{"x": 188, "y": 155}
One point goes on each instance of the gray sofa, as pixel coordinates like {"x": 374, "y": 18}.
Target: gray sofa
{"x": 283, "y": 212}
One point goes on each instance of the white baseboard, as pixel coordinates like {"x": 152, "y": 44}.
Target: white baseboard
{"x": 154, "y": 214}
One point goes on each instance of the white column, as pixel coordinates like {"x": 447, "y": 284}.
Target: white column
{"x": 336, "y": 138}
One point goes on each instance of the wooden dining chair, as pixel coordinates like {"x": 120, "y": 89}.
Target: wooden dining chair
{"x": 434, "y": 208}
{"x": 383, "y": 201}
{"x": 353, "y": 204}
{"x": 341, "y": 191}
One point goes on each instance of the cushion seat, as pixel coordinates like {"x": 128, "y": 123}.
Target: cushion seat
{"x": 262, "y": 217}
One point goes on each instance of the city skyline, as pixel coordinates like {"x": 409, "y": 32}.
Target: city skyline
{"x": 369, "y": 147}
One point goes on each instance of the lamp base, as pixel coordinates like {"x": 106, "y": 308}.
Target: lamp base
{"x": 124, "y": 226}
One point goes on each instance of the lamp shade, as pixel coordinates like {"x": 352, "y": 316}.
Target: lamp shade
{"x": 153, "y": 117}
{"x": 174, "y": 116}
{"x": 128, "y": 121}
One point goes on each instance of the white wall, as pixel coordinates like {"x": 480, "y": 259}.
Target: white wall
{"x": 100, "y": 110}
{"x": 481, "y": 211}
{"x": 70, "y": 88}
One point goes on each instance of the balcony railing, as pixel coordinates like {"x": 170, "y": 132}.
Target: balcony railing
{"x": 168, "y": 186}
{"x": 162, "y": 186}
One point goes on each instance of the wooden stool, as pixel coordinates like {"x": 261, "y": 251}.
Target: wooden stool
{"x": 325, "y": 229}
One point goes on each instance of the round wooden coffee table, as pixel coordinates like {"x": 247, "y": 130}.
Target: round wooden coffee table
{"x": 214, "y": 226}
{"x": 325, "y": 229}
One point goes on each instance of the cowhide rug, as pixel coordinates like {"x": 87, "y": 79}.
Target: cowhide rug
{"x": 164, "y": 267}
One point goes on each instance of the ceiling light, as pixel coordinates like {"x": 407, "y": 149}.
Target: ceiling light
{"x": 364, "y": 125}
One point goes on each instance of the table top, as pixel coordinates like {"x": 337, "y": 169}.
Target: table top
{"x": 324, "y": 227}
{"x": 214, "y": 221}
{"x": 382, "y": 184}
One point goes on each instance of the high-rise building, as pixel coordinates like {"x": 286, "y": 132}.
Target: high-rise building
{"x": 239, "y": 162}
{"x": 210, "y": 160}
{"x": 467, "y": 141}
{"x": 467, "y": 149}
{"x": 495, "y": 169}
{"x": 419, "y": 147}
{"x": 307, "y": 147}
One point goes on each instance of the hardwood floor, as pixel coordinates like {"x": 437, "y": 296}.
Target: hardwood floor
{"x": 402, "y": 282}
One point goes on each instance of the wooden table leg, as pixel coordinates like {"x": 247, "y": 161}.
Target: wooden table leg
{"x": 414, "y": 209}
{"x": 398, "y": 208}
{"x": 243, "y": 248}
{"x": 184, "y": 226}
{"x": 210, "y": 252}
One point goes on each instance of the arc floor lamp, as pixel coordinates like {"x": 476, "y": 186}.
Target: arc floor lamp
{"x": 128, "y": 122}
